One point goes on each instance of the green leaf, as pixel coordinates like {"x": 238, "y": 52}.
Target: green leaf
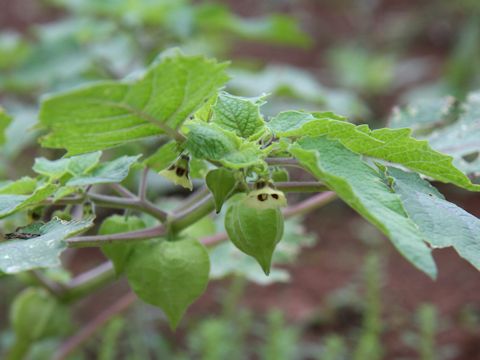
{"x": 211, "y": 142}
{"x": 364, "y": 190}
{"x": 42, "y": 251}
{"x": 36, "y": 315}
{"x": 393, "y": 145}
{"x": 24, "y": 185}
{"x": 163, "y": 157}
{"x": 275, "y": 28}
{"x": 221, "y": 183}
{"x": 460, "y": 139}
{"x": 75, "y": 165}
{"x": 110, "y": 113}
{"x": 119, "y": 253}
{"x": 5, "y": 121}
{"x": 169, "y": 274}
{"x": 256, "y": 232}
{"x": 109, "y": 172}
{"x": 238, "y": 114}
{"x": 12, "y": 203}
{"x": 442, "y": 223}
{"x": 423, "y": 114}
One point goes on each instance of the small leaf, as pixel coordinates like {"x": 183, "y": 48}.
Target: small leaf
{"x": 25, "y": 185}
{"x": 163, "y": 157}
{"x": 42, "y": 251}
{"x": 256, "y": 232}
{"x": 169, "y": 274}
{"x": 361, "y": 187}
{"x": 10, "y": 204}
{"x": 75, "y": 165}
{"x": 109, "y": 172}
{"x": 238, "y": 114}
{"x": 442, "y": 223}
{"x": 5, "y": 121}
{"x": 221, "y": 183}
{"x": 119, "y": 253}
{"x": 393, "y": 145}
{"x": 211, "y": 142}
{"x": 110, "y": 113}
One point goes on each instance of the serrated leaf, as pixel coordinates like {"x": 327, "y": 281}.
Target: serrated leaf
{"x": 119, "y": 253}
{"x": 10, "y": 204}
{"x": 42, "y": 251}
{"x": 75, "y": 165}
{"x": 163, "y": 157}
{"x": 364, "y": 190}
{"x": 110, "y": 113}
{"x": 221, "y": 183}
{"x": 22, "y": 186}
{"x": 5, "y": 121}
{"x": 211, "y": 142}
{"x": 254, "y": 231}
{"x": 393, "y": 145}
{"x": 169, "y": 274}
{"x": 109, "y": 172}
{"x": 441, "y": 222}
{"x": 238, "y": 114}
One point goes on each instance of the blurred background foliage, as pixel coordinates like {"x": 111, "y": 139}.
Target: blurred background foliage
{"x": 350, "y": 296}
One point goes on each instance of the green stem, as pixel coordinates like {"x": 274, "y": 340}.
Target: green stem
{"x": 97, "y": 277}
{"x": 89, "y": 282}
{"x": 129, "y": 203}
{"x": 301, "y": 186}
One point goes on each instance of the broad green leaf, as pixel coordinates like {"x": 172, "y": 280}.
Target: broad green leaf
{"x": 42, "y": 251}
{"x": 272, "y": 29}
{"x": 424, "y": 114}
{"x": 256, "y": 232}
{"x": 12, "y": 203}
{"x": 4, "y": 122}
{"x": 110, "y": 113}
{"x": 461, "y": 138}
{"x": 163, "y": 157}
{"x": 169, "y": 274}
{"x": 35, "y": 315}
{"x": 393, "y": 145}
{"x": 22, "y": 186}
{"x": 119, "y": 253}
{"x": 75, "y": 165}
{"x": 209, "y": 141}
{"x": 441, "y": 222}
{"x": 290, "y": 85}
{"x": 364, "y": 190}
{"x": 238, "y": 114}
{"x": 221, "y": 183}
{"x": 109, "y": 172}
